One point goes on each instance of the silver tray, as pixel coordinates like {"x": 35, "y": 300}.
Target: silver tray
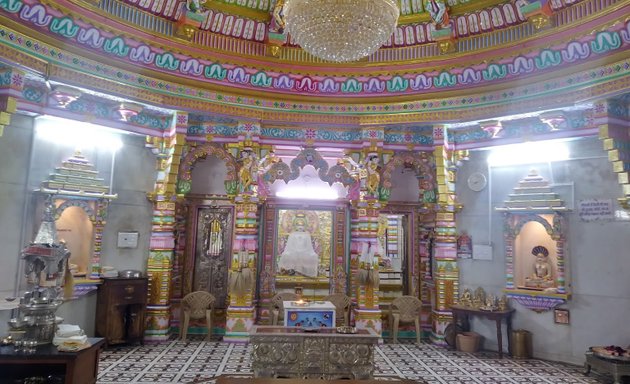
{"x": 608, "y": 356}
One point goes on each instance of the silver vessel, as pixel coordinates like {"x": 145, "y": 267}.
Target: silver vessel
{"x": 45, "y": 265}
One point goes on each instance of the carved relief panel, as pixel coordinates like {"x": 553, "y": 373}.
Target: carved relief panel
{"x": 213, "y": 250}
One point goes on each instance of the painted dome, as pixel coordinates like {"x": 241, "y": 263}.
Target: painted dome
{"x": 496, "y": 59}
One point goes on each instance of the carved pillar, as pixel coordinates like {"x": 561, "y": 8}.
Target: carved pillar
{"x": 445, "y": 270}
{"x": 612, "y": 118}
{"x": 11, "y": 84}
{"x": 8, "y": 106}
{"x": 241, "y": 313}
{"x": 168, "y": 150}
{"x": 364, "y": 227}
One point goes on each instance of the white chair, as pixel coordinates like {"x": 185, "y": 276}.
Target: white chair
{"x": 405, "y": 309}
{"x": 277, "y": 307}
{"x": 197, "y": 305}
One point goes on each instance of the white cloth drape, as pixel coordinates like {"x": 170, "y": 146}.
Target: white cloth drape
{"x": 299, "y": 255}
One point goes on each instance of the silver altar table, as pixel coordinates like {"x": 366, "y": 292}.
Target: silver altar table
{"x": 294, "y": 353}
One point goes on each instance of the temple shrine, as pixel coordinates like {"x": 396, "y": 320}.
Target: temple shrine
{"x": 341, "y": 176}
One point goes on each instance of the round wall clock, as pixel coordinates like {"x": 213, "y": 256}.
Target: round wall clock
{"x": 477, "y": 181}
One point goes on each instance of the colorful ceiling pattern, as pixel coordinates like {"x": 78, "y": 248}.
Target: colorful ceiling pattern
{"x": 517, "y": 69}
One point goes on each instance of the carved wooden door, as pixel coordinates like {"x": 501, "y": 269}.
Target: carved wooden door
{"x": 213, "y": 248}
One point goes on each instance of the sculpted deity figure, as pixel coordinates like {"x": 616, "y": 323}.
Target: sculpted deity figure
{"x": 373, "y": 177}
{"x": 381, "y": 240}
{"x": 466, "y": 298}
{"x": 427, "y": 191}
{"x": 299, "y": 256}
{"x": 195, "y": 5}
{"x": 278, "y": 23}
{"x": 542, "y": 276}
{"x": 438, "y": 12}
{"x": 248, "y": 170}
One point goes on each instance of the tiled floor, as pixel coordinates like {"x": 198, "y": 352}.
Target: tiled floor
{"x": 197, "y": 361}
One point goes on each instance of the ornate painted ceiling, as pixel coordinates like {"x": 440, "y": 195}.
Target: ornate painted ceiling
{"x": 500, "y": 59}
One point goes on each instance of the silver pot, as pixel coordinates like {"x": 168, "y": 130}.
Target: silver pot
{"x": 130, "y": 273}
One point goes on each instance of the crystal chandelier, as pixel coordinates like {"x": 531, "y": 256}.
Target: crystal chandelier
{"x": 340, "y": 30}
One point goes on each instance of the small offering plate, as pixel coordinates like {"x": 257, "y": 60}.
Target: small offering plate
{"x": 346, "y": 329}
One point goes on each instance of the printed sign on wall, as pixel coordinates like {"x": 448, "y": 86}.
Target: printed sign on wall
{"x": 596, "y": 210}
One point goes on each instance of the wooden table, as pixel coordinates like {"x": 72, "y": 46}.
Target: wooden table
{"x": 75, "y": 367}
{"x": 497, "y": 316}
{"x": 290, "y": 352}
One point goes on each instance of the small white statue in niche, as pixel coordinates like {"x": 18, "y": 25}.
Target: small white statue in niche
{"x": 542, "y": 277}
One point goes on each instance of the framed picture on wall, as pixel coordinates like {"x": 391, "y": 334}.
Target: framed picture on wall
{"x": 561, "y": 316}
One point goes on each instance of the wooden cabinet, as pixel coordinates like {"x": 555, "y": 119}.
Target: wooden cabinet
{"x": 68, "y": 367}
{"x": 120, "y": 310}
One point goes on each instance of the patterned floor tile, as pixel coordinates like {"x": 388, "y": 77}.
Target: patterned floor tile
{"x": 199, "y": 362}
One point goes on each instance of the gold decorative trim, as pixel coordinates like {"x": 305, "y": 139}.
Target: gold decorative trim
{"x": 94, "y": 9}
{"x": 239, "y": 11}
{"x": 455, "y": 10}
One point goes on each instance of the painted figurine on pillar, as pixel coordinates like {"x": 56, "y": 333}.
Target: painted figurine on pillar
{"x": 427, "y": 191}
{"x": 373, "y": 176}
{"x": 276, "y": 36}
{"x": 241, "y": 278}
{"x": 441, "y": 30}
{"x": 196, "y": 6}
{"x": 439, "y": 13}
{"x": 248, "y": 172}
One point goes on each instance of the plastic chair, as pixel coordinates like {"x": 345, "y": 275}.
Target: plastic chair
{"x": 342, "y": 305}
{"x": 197, "y": 305}
{"x": 405, "y": 309}
{"x": 277, "y": 307}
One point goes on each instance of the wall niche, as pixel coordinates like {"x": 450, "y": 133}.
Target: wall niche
{"x": 81, "y": 200}
{"x": 535, "y": 243}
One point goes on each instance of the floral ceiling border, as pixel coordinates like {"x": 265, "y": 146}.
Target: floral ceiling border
{"x": 86, "y": 36}
{"x": 614, "y": 76}
{"x": 614, "y": 40}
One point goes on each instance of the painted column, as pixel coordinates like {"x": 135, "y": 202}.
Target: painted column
{"x": 241, "y": 313}
{"x": 445, "y": 270}
{"x": 168, "y": 150}
{"x": 364, "y": 227}
{"x": 612, "y": 118}
{"x": 11, "y": 84}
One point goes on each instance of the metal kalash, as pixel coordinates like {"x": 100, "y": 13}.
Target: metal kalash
{"x": 46, "y": 260}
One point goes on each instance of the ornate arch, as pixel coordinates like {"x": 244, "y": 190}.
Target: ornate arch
{"x": 422, "y": 164}
{"x": 201, "y": 152}
{"x": 83, "y": 204}
{"x": 553, "y": 230}
{"x": 308, "y": 156}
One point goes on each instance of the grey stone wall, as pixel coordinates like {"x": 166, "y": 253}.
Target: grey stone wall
{"x": 597, "y": 253}
{"x": 27, "y": 160}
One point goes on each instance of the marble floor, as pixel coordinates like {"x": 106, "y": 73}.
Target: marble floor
{"x": 198, "y": 361}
